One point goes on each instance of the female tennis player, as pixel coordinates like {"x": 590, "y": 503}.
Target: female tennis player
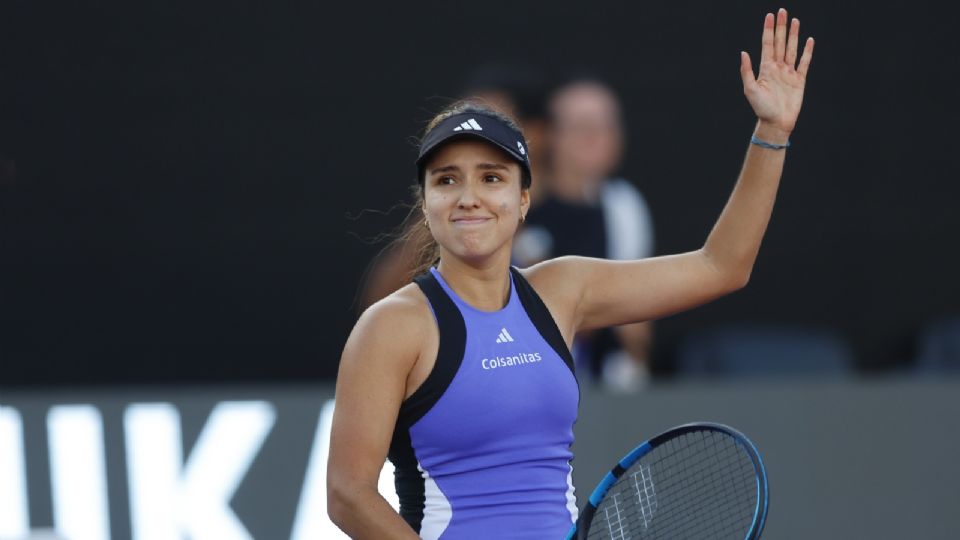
{"x": 464, "y": 378}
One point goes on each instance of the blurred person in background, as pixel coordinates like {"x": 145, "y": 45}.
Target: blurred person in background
{"x": 590, "y": 212}
{"x": 520, "y": 93}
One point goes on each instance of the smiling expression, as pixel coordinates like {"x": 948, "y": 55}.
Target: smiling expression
{"x": 473, "y": 199}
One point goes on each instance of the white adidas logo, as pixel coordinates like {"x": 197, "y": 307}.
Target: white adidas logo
{"x": 469, "y": 125}
{"x": 522, "y": 151}
{"x": 504, "y": 336}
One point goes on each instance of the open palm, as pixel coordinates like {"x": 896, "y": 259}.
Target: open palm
{"x": 777, "y": 93}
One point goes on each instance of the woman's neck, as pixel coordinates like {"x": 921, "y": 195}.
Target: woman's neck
{"x": 485, "y": 286}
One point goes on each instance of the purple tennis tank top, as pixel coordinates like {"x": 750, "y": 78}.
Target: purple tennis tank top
{"x": 482, "y": 448}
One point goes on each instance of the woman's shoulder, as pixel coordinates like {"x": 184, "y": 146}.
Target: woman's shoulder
{"x": 402, "y": 312}
{"x": 559, "y": 272}
{"x": 558, "y": 282}
{"x": 391, "y": 332}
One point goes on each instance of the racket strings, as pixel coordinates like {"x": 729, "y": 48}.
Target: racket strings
{"x": 708, "y": 483}
{"x": 695, "y": 461}
{"x": 715, "y": 476}
{"x": 618, "y": 529}
{"x": 699, "y": 485}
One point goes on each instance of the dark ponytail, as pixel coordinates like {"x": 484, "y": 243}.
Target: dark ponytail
{"x": 416, "y": 237}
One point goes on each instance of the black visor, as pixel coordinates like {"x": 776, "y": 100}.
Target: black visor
{"x": 481, "y": 126}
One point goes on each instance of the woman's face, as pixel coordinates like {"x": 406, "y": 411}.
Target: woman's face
{"x": 473, "y": 199}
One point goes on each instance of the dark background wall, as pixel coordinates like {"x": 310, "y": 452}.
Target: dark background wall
{"x": 178, "y": 181}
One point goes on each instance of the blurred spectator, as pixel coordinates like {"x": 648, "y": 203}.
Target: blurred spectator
{"x": 521, "y": 93}
{"x": 589, "y": 212}
{"x": 515, "y": 90}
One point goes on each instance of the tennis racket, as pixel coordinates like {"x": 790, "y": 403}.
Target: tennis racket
{"x": 695, "y": 481}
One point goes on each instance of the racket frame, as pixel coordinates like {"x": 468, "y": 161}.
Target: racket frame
{"x": 579, "y": 529}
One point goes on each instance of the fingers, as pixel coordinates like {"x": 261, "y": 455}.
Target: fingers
{"x": 781, "y": 44}
{"x": 766, "y": 50}
{"x": 746, "y": 73}
{"x": 780, "y": 36}
{"x": 805, "y": 59}
{"x": 791, "y": 58}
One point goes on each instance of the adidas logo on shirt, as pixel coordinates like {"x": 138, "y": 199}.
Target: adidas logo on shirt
{"x": 469, "y": 125}
{"x": 504, "y": 336}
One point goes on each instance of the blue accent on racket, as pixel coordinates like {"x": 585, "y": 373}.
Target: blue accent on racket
{"x": 634, "y": 455}
{"x": 601, "y": 490}
{"x": 695, "y": 481}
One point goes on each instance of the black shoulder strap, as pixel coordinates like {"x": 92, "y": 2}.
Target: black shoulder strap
{"x": 540, "y": 315}
{"x": 453, "y": 341}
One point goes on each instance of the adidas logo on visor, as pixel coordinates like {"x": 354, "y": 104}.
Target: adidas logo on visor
{"x": 504, "y": 336}
{"x": 469, "y": 125}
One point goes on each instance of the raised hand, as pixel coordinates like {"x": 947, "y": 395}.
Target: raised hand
{"x": 777, "y": 93}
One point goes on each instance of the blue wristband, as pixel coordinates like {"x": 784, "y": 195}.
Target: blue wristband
{"x": 764, "y": 144}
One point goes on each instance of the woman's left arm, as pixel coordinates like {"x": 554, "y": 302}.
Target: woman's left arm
{"x": 619, "y": 292}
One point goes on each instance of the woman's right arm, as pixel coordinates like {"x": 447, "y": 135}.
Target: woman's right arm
{"x": 371, "y": 384}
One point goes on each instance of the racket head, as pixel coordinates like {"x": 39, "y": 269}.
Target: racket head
{"x": 666, "y": 453}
